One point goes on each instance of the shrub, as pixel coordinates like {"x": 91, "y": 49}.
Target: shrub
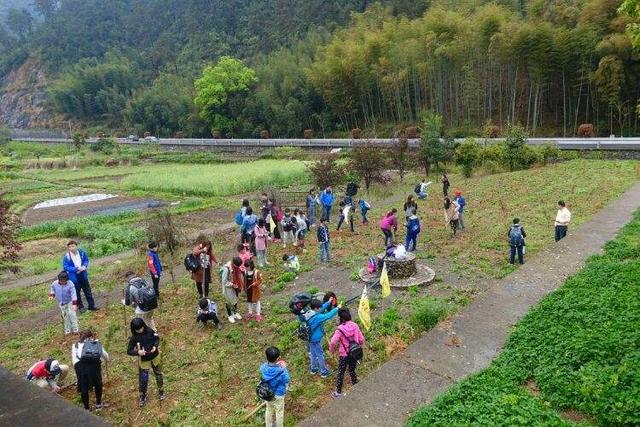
{"x": 369, "y": 161}
{"x": 515, "y": 155}
{"x": 326, "y": 171}
{"x": 468, "y": 155}
{"x": 428, "y": 312}
{"x": 586, "y": 130}
{"x": 550, "y": 153}
{"x": 104, "y": 145}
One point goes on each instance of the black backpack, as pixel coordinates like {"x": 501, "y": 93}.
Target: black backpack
{"x": 417, "y": 188}
{"x": 91, "y": 351}
{"x": 146, "y": 294}
{"x": 352, "y": 189}
{"x": 287, "y": 224}
{"x": 191, "y": 263}
{"x": 264, "y": 390}
{"x": 299, "y": 302}
{"x": 354, "y": 352}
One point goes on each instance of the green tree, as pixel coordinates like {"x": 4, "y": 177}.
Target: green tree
{"x": 369, "y": 162}
{"x": 218, "y": 90}
{"x": 20, "y": 22}
{"x": 401, "y": 156}
{"x": 468, "y": 155}
{"x": 433, "y": 149}
{"x": 515, "y": 153}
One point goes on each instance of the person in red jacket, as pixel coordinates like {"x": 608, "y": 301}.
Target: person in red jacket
{"x": 346, "y": 333}
{"x": 46, "y": 373}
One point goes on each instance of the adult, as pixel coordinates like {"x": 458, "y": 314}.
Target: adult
{"x": 47, "y": 373}
{"x": 87, "y": 356}
{"x": 445, "y": 185}
{"x": 311, "y": 203}
{"x": 326, "y": 199}
{"x": 388, "y": 223}
{"x": 516, "y": 237}
{"x": 451, "y": 214}
{"x": 134, "y": 295}
{"x": 198, "y": 274}
{"x": 410, "y": 207}
{"x": 461, "y": 201}
{"x": 563, "y": 218}
{"x": 65, "y": 294}
{"x": 424, "y": 186}
{"x": 76, "y": 262}
{"x": 144, "y": 343}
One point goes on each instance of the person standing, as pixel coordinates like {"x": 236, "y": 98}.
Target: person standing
{"x": 63, "y": 290}
{"x": 138, "y": 293}
{"x": 154, "y": 266}
{"x": 451, "y": 214}
{"x": 413, "y": 229}
{"x": 248, "y": 227}
{"x": 262, "y": 236}
{"x": 365, "y": 207}
{"x": 87, "y": 356}
{"x": 275, "y": 373}
{"x": 232, "y": 281}
{"x": 320, "y": 313}
{"x": 516, "y": 235}
{"x": 388, "y": 223}
{"x": 324, "y": 240}
{"x": 347, "y": 332}
{"x": 253, "y": 281}
{"x": 460, "y": 200}
{"x": 326, "y": 199}
{"x": 311, "y": 203}
{"x": 145, "y": 344}
{"x": 76, "y": 262}
{"x": 410, "y": 207}
{"x": 445, "y": 185}
{"x": 563, "y": 218}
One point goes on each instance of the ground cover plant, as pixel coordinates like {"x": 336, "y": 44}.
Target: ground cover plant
{"x": 574, "y": 357}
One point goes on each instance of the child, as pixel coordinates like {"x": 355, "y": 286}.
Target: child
{"x": 302, "y": 227}
{"x": 346, "y": 214}
{"x": 154, "y": 266}
{"x": 413, "y": 229}
{"x": 244, "y": 254}
{"x": 262, "y": 235}
{"x": 275, "y": 373}
{"x": 253, "y": 281}
{"x": 47, "y": 373}
{"x": 64, "y": 291}
{"x": 346, "y": 333}
{"x": 89, "y": 370}
{"x": 388, "y": 223}
{"x": 323, "y": 240}
{"x": 208, "y": 310}
{"x": 365, "y": 207}
{"x": 315, "y": 320}
{"x": 462, "y": 202}
{"x": 288, "y": 226}
{"x": 144, "y": 343}
{"x": 232, "y": 280}
{"x": 291, "y": 263}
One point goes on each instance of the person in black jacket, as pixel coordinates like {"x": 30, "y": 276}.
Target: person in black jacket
{"x": 144, "y": 343}
{"x": 516, "y": 235}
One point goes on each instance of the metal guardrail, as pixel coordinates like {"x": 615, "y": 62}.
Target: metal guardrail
{"x": 632, "y": 143}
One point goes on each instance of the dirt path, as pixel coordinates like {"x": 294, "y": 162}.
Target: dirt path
{"x": 432, "y": 364}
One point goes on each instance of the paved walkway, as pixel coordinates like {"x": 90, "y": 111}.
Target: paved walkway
{"x": 432, "y": 364}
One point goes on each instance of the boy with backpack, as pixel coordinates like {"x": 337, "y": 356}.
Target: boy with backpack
{"x": 142, "y": 296}
{"x": 348, "y": 339}
{"x": 365, "y": 207}
{"x": 154, "y": 266}
{"x": 315, "y": 319}
{"x": 64, "y": 291}
{"x": 289, "y": 228}
{"x": 208, "y": 310}
{"x": 275, "y": 378}
{"x": 516, "y": 237}
{"x": 413, "y": 229}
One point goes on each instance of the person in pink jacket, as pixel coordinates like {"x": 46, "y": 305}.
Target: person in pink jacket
{"x": 346, "y": 333}
{"x": 388, "y": 222}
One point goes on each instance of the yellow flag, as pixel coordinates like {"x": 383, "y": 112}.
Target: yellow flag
{"x": 384, "y": 282}
{"x": 272, "y": 224}
{"x": 363, "y": 309}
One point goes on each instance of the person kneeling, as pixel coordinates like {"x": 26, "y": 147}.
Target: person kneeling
{"x": 208, "y": 310}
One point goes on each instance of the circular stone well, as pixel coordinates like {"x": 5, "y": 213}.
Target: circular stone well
{"x": 401, "y": 268}
{"x": 423, "y": 276}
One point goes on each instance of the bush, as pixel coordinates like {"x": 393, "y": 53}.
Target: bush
{"x": 493, "y": 153}
{"x": 468, "y": 155}
{"x": 550, "y": 153}
{"x": 104, "y": 146}
{"x": 428, "y": 312}
{"x": 327, "y": 171}
{"x": 515, "y": 155}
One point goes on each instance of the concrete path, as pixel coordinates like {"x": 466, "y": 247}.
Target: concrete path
{"x": 433, "y": 363}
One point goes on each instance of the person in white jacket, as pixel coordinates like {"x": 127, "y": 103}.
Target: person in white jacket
{"x": 88, "y": 366}
{"x": 563, "y": 218}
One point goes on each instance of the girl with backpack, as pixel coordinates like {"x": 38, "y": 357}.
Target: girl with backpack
{"x": 413, "y": 229}
{"x": 253, "y": 281}
{"x": 388, "y": 222}
{"x": 87, "y": 356}
{"x": 145, "y": 343}
{"x": 202, "y": 276}
{"x": 348, "y": 340}
{"x": 516, "y": 235}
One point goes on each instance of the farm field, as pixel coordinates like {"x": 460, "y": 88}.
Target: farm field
{"x": 573, "y": 358}
{"x": 212, "y": 375}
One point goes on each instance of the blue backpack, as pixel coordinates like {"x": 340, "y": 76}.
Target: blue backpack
{"x": 515, "y": 236}
{"x": 239, "y": 217}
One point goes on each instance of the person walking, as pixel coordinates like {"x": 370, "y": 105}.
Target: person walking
{"x": 516, "y": 235}
{"x": 145, "y": 344}
{"x": 324, "y": 240}
{"x": 445, "y": 185}
{"x": 451, "y": 214}
{"x": 326, "y": 199}
{"x": 87, "y": 356}
{"x": 274, "y": 372}
{"x": 346, "y": 214}
{"x": 563, "y": 218}
{"x": 154, "y": 266}
{"x": 388, "y": 223}
{"x": 76, "y": 262}
{"x": 461, "y": 201}
{"x": 348, "y": 332}
{"x": 63, "y": 290}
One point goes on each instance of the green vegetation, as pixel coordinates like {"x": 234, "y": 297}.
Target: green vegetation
{"x": 575, "y": 351}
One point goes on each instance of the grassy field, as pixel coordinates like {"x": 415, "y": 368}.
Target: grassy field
{"x": 574, "y": 357}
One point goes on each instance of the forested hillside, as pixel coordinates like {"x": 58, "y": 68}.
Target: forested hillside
{"x": 131, "y": 65}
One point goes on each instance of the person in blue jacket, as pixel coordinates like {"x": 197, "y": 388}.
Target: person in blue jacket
{"x": 76, "y": 262}
{"x": 460, "y": 200}
{"x": 315, "y": 318}
{"x": 413, "y": 229}
{"x": 275, "y": 372}
{"x": 326, "y": 199}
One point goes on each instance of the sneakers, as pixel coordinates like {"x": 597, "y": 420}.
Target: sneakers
{"x": 259, "y": 318}
{"x": 238, "y": 317}
{"x": 231, "y": 319}
{"x": 336, "y": 395}
{"x": 326, "y": 374}
{"x": 162, "y": 395}
{"x": 82, "y": 310}
{"x": 100, "y": 406}
{"x": 248, "y": 317}
{"x": 219, "y": 326}
{"x": 143, "y": 400}
{"x": 312, "y": 372}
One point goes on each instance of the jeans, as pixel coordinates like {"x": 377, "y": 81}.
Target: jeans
{"x": 312, "y": 214}
{"x": 69, "y": 318}
{"x": 324, "y": 251}
{"x": 460, "y": 221}
{"x": 422, "y": 196}
{"x": 156, "y": 285}
{"x": 326, "y": 212}
{"x": 342, "y": 220}
{"x": 561, "y": 233}
{"x": 388, "y": 237}
{"x": 363, "y": 214}
{"x": 276, "y": 406}
{"x": 410, "y": 241}
{"x": 316, "y": 353}
{"x": 346, "y": 362}
{"x": 512, "y": 254}
{"x": 262, "y": 257}
{"x": 83, "y": 284}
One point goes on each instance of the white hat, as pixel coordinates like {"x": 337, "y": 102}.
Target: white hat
{"x": 54, "y": 365}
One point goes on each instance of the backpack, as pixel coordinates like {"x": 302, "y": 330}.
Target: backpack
{"x": 372, "y": 265}
{"x": 277, "y": 214}
{"x": 146, "y": 294}
{"x": 417, "y": 188}
{"x": 191, "y": 263}
{"x": 239, "y": 218}
{"x": 264, "y": 390}
{"x": 352, "y": 189}
{"x": 515, "y": 236}
{"x": 287, "y": 225}
{"x": 91, "y": 351}
{"x": 299, "y": 302}
{"x": 354, "y": 351}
